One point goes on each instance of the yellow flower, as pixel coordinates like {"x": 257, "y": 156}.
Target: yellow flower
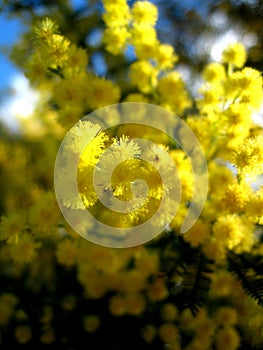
{"x": 214, "y": 72}
{"x": 24, "y": 250}
{"x": 48, "y": 336}
{"x": 167, "y": 332}
{"x": 235, "y": 54}
{"x": 227, "y": 338}
{"x": 85, "y": 138}
{"x": 254, "y": 208}
{"x": 211, "y": 98}
{"x": 44, "y": 215}
{"x": 77, "y": 58}
{"x": 117, "y": 305}
{"x": 116, "y": 16}
{"x": 236, "y": 197}
{"x": 102, "y": 92}
{"x": 226, "y": 316}
{"x": 148, "y": 333}
{"x": 245, "y": 87}
{"x": 67, "y": 252}
{"x": 248, "y": 157}
{"x": 23, "y": 334}
{"x": 143, "y": 75}
{"x": 143, "y": 36}
{"x": 233, "y": 231}
{"x": 57, "y": 50}
{"x": 172, "y": 91}
{"x": 144, "y": 13}
{"x": 12, "y": 226}
{"x": 36, "y": 69}
{"x": 198, "y": 233}
{"x": 115, "y": 39}
{"x": 165, "y": 56}
{"x": 169, "y": 312}
{"x": 8, "y": 302}
{"x": 214, "y": 249}
{"x": 157, "y": 290}
{"x": 91, "y": 323}
{"x": 135, "y": 304}
{"x": 71, "y": 90}
{"x": 136, "y": 97}
{"x": 44, "y": 30}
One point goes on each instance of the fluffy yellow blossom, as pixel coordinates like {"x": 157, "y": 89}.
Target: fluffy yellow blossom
{"x": 102, "y": 92}
{"x": 25, "y": 249}
{"x": 235, "y": 54}
{"x": 167, "y": 332}
{"x": 165, "y": 56}
{"x": 147, "y": 262}
{"x": 115, "y": 39}
{"x": 226, "y": 316}
{"x": 86, "y": 138}
{"x": 35, "y": 70}
{"x": 23, "y": 334}
{"x": 148, "y": 38}
{"x": 12, "y": 226}
{"x": 214, "y": 250}
{"x": 245, "y": 87}
{"x": 44, "y": 30}
{"x": 48, "y": 336}
{"x": 57, "y": 50}
{"x": 71, "y": 90}
{"x": 47, "y": 315}
{"x": 223, "y": 284}
{"x": 117, "y": 305}
{"x": 248, "y": 158}
{"x": 143, "y": 75}
{"x": 116, "y": 15}
{"x": 67, "y": 252}
{"x": 198, "y": 233}
{"x": 236, "y": 197}
{"x": 133, "y": 281}
{"x": 144, "y": 13}
{"x": 233, "y": 230}
{"x": 169, "y": 312}
{"x": 238, "y": 122}
{"x": 254, "y": 208}
{"x": 135, "y": 304}
{"x": 136, "y": 97}
{"x": 211, "y": 99}
{"x": 77, "y": 58}
{"x": 148, "y": 333}
{"x": 91, "y": 323}
{"x": 8, "y": 302}
{"x": 157, "y": 290}
{"x": 170, "y": 84}
{"x": 44, "y": 216}
{"x": 227, "y": 338}
{"x": 214, "y": 72}
{"x": 172, "y": 91}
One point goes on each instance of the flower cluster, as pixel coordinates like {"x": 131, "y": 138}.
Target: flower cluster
{"x": 196, "y": 290}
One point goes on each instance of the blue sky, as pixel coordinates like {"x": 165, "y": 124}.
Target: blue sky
{"x": 10, "y": 31}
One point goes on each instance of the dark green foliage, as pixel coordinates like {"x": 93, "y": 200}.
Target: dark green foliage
{"x": 248, "y": 268}
{"x": 193, "y": 268}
